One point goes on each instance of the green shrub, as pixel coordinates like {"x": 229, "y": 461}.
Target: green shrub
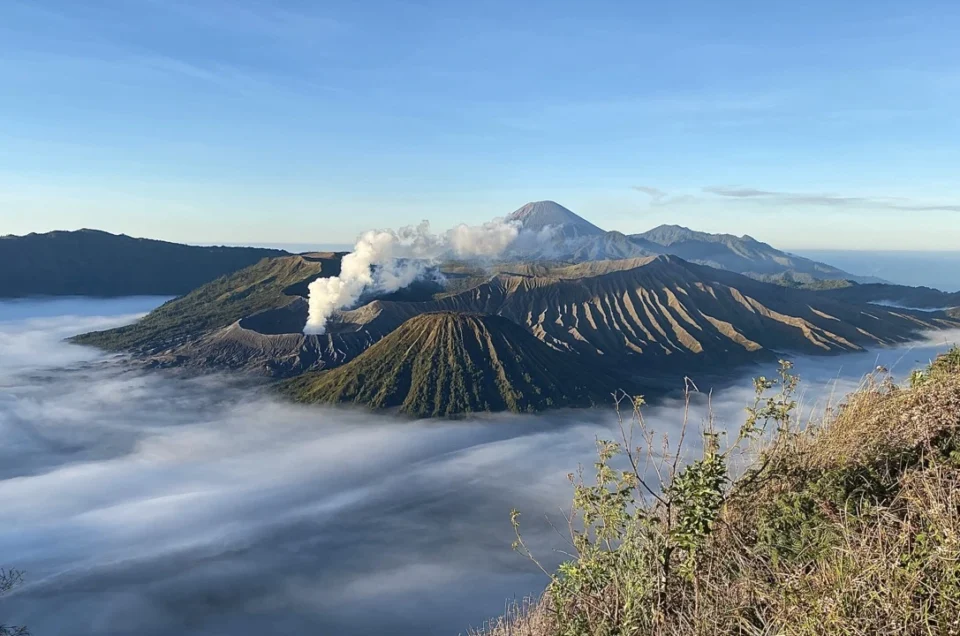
{"x": 848, "y": 526}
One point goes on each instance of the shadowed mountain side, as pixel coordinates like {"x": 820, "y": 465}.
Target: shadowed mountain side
{"x": 95, "y": 263}
{"x": 742, "y": 254}
{"x": 920, "y": 297}
{"x": 666, "y": 307}
{"x": 267, "y": 285}
{"x": 608, "y": 246}
{"x": 656, "y": 315}
{"x": 446, "y": 364}
{"x": 272, "y": 341}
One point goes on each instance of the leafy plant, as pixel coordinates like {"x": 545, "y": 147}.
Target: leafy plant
{"x": 848, "y": 526}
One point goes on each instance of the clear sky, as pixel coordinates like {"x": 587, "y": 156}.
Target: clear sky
{"x": 818, "y": 124}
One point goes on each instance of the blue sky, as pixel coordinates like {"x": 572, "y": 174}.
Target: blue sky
{"x": 805, "y": 124}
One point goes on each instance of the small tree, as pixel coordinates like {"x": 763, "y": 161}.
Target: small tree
{"x": 638, "y": 531}
{"x": 9, "y": 579}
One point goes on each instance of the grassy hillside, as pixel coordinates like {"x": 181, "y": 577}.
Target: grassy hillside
{"x": 450, "y": 364}
{"x": 850, "y": 526}
{"x": 94, "y": 263}
{"x": 805, "y": 281}
{"x": 265, "y": 285}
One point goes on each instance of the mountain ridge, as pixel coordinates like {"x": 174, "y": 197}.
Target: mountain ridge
{"x": 660, "y": 313}
{"x": 901, "y": 295}
{"x": 537, "y": 216}
{"x": 668, "y": 233}
{"x": 268, "y": 284}
{"x": 443, "y": 364}
{"x": 96, "y": 263}
{"x": 565, "y": 236}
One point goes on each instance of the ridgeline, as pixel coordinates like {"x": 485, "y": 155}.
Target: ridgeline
{"x": 95, "y": 263}
{"x": 446, "y": 364}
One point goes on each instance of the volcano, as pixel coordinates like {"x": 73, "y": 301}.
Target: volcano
{"x": 449, "y": 363}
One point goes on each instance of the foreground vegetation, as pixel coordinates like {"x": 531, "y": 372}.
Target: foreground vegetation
{"x": 10, "y": 579}
{"x": 849, "y": 525}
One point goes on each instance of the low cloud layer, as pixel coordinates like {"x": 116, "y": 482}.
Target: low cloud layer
{"x": 151, "y": 503}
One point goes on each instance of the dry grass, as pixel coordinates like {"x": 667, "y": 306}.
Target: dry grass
{"x": 882, "y": 419}
{"x": 529, "y": 617}
{"x": 850, "y": 527}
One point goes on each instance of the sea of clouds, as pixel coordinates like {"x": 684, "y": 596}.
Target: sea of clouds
{"x": 149, "y": 502}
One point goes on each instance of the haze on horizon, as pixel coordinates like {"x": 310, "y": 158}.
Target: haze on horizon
{"x": 821, "y": 125}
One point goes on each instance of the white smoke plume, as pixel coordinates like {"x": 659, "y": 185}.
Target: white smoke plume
{"x": 388, "y": 260}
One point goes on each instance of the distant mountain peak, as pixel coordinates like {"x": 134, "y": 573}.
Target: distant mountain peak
{"x": 668, "y": 234}
{"x": 675, "y": 227}
{"x": 537, "y": 215}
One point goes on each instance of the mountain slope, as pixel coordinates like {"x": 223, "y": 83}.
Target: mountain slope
{"x": 552, "y": 232}
{"x": 838, "y": 523}
{"x": 741, "y": 254}
{"x": 902, "y": 295}
{"x": 665, "y": 311}
{"x": 269, "y": 284}
{"x": 90, "y": 262}
{"x": 443, "y": 364}
{"x": 539, "y": 215}
{"x": 651, "y": 315}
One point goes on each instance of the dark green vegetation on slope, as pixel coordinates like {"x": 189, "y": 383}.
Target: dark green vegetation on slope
{"x": 268, "y": 284}
{"x": 444, "y": 364}
{"x": 849, "y": 526}
{"x": 806, "y": 281}
{"x": 902, "y": 295}
{"x": 94, "y": 263}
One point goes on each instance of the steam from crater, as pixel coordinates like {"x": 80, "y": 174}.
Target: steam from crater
{"x": 388, "y": 260}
